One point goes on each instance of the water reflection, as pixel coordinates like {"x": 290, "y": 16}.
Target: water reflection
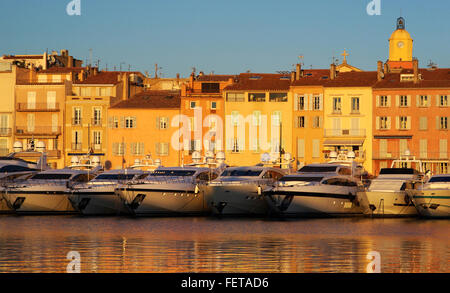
{"x": 40, "y": 244}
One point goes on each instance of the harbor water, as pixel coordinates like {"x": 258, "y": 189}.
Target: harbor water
{"x": 164, "y": 245}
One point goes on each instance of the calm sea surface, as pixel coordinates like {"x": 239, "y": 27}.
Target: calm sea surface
{"x": 121, "y": 244}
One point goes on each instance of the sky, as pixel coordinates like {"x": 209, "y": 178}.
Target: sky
{"x": 224, "y": 37}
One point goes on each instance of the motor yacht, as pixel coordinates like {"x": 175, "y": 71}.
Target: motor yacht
{"x": 327, "y": 189}
{"x": 432, "y": 199}
{"x": 386, "y": 195}
{"x": 98, "y": 197}
{"x": 238, "y": 190}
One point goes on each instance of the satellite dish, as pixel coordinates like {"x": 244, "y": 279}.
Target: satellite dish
{"x": 75, "y": 160}
{"x": 333, "y": 155}
{"x": 40, "y": 146}
{"x": 351, "y": 155}
{"x": 18, "y": 147}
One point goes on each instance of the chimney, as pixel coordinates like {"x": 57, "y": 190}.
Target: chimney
{"x": 81, "y": 76}
{"x": 332, "y": 71}
{"x": 380, "y": 74}
{"x": 119, "y": 77}
{"x": 125, "y": 86}
{"x": 69, "y": 61}
{"x": 201, "y": 73}
{"x": 386, "y": 68}
{"x": 416, "y": 70}
{"x": 178, "y": 76}
{"x": 298, "y": 69}
{"x": 95, "y": 70}
{"x": 191, "y": 81}
{"x": 293, "y": 74}
{"x": 31, "y": 73}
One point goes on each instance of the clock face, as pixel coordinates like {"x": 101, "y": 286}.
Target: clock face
{"x": 400, "y": 44}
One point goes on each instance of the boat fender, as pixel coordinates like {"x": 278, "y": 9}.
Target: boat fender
{"x": 196, "y": 190}
{"x": 259, "y": 190}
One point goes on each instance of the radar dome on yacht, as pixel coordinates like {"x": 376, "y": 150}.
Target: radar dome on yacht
{"x": 40, "y": 146}
{"x": 75, "y": 160}
{"x": 333, "y": 155}
{"x": 158, "y": 162}
{"x": 18, "y": 147}
{"x": 137, "y": 161}
{"x": 265, "y": 157}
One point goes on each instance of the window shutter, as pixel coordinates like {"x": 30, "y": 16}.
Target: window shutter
{"x": 417, "y": 100}
{"x": 438, "y": 122}
{"x": 157, "y": 122}
{"x": 295, "y": 102}
{"x": 408, "y": 102}
{"x": 110, "y": 122}
{"x": 397, "y": 100}
{"x": 377, "y": 122}
{"x": 388, "y": 101}
{"x": 428, "y": 100}
{"x": 321, "y": 102}
{"x": 388, "y": 123}
{"x": 134, "y": 122}
{"x": 408, "y": 122}
{"x": 122, "y": 122}
{"x": 296, "y": 121}
{"x": 438, "y": 100}
{"x": 157, "y": 148}
{"x": 300, "y": 148}
{"x": 397, "y": 122}
{"x": 311, "y": 102}
{"x": 320, "y": 121}
{"x": 377, "y": 101}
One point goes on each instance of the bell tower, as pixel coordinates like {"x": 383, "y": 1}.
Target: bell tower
{"x": 400, "y": 47}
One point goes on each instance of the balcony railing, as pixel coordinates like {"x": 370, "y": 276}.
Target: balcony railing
{"x": 5, "y": 131}
{"x": 96, "y": 146}
{"x": 424, "y": 156}
{"x": 37, "y": 107}
{"x": 345, "y": 133}
{"x": 38, "y": 130}
{"x": 4, "y": 152}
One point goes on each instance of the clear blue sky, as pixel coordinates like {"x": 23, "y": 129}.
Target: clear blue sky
{"x": 226, "y": 37}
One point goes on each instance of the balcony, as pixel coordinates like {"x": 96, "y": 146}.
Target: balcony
{"x": 54, "y": 154}
{"x": 5, "y": 131}
{"x": 344, "y": 133}
{"x": 96, "y": 147}
{"x": 38, "y": 130}
{"x": 37, "y": 107}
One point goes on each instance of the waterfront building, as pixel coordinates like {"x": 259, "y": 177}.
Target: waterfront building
{"x": 141, "y": 126}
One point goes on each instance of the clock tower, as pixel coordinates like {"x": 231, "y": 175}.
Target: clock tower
{"x": 400, "y": 47}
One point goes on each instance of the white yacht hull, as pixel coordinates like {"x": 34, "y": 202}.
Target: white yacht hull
{"x": 101, "y": 201}
{"x": 433, "y": 203}
{"x": 168, "y": 199}
{"x": 386, "y": 204}
{"x": 236, "y": 200}
{"x": 313, "y": 201}
{"x": 39, "y": 202}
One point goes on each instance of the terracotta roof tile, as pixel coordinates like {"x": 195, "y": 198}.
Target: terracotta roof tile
{"x": 158, "y": 99}
{"x": 313, "y": 77}
{"x": 23, "y": 57}
{"x": 437, "y": 78}
{"x": 105, "y": 77}
{"x": 62, "y": 70}
{"x": 353, "y": 79}
{"x": 214, "y": 77}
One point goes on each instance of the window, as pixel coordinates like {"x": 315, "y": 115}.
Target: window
{"x": 76, "y": 119}
{"x": 162, "y": 122}
{"x": 423, "y": 147}
{"x": 119, "y": 148}
{"x": 355, "y": 105}
{"x": 213, "y": 105}
{"x": 42, "y": 78}
{"x": 316, "y": 103}
{"x": 76, "y": 140}
{"x": 209, "y": 87}
{"x": 256, "y": 97}
{"x": 384, "y": 101}
{"x": 301, "y": 102}
{"x": 317, "y": 122}
{"x": 403, "y": 122}
{"x": 235, "y": 118}
{"x": 337, "y": 105}
{"x": 404, "y": 101}
{"x": 383, "y": 148}
{"x": 56, "y": 78}
{"x": 137, "y": 148}
{"x": 422, "y": 101}
{"x": 31, "y": 100}
{"x": 316, "y": 148}
{"x": 235, "y": 97}
{"x": 97, "y": 139}
{"x": 423, "y": 123}
{"x": 383, "y": 122}
{"x": 443, "y": 101}
{"x": 443, "y": 148}
{"x": 301, "y": 122}
{"x": 192, "y": 105}
{"x": 256, "y": 118}
{"x": 276, "y": 118}
{"x": 278, "y": 97}
{"x": 4, "y": 124}
{"x": 443, "y": 168}
{"x": 97, "y": 114}
{"x": 130, "y": 122}
{"x": 51, "y": 100}
{"x": 443, "y": 123}
{"x": 300, "y": 148}
{"x": 235, "y": 148}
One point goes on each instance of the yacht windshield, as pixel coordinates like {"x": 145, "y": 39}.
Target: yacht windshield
{"x": 301, "y": 178}
{"x": 397, "y": 171}
{"x": 49, "y": 176}
{"x": 238, "y": 172}
{"x": 14, "y": 168}
{"x": 177, "y": 173}
{"x": 115, "y": 177}
{"x": 440, "y": 179}
{"x": 318, "y": 169}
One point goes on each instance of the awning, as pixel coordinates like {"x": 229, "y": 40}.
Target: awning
{"x": 343, "y": 142}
